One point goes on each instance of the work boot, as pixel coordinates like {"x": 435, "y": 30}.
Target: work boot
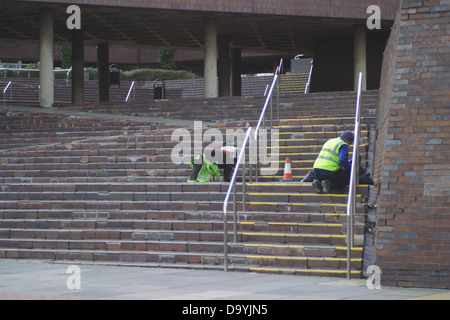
{"x": 326, "y": 186}
{"x": 317, "y": 186}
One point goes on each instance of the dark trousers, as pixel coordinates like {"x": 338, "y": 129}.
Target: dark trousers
{"x": 195, "y": 171}
{"x": 338, "y": 179}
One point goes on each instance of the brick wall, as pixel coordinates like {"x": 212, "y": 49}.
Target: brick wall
{"x": 412, "y": 244}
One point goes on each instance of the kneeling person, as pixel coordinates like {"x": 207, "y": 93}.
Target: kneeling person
{"x": 202, "y": 169}
{"x": 332, "y": 168}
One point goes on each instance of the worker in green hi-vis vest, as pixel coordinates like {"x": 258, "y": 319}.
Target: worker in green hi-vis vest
{"x": 202, "y": 170}
{"x": 332, "y": 168}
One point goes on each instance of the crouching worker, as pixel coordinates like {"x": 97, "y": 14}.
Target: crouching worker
{"x": 202, "y": 169}
{"x": 332, "y": 168}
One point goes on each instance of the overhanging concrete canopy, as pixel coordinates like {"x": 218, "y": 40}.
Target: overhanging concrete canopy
{"x": 258, "y": 26}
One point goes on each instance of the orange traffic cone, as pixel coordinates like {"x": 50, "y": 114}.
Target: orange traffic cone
{"x": 287, "y": 170}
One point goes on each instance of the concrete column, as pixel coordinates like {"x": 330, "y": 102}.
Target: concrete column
{"x": 210, "y": 57}
{"x": 103, "y": 71}
{"x": 360, "y": 57}
{"x": 47, "y": 89}
{"x": 236, "y": 81}
{"x": 77, "y": 66}
{"x": 224, "y": 66}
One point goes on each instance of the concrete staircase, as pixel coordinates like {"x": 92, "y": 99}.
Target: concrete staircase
{"x": 98, "y": 190}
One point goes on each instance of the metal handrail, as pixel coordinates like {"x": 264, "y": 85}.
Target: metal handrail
{"x": 266, "y": 103}
{"x": 309, "y": 77}
{"x": 232, "y": 187}
{"x": 269, "y": 97}
{"x": 33, "y": 70}
{"x": 6, "y": 89}
{"x": 351, "y": 204}
{"x": 129, "y": 92}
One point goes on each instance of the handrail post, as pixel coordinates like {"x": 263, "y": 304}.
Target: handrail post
{"x": 225, "y": 242}
{"x": 351, "y": 203}
{"x": 278, "y": 98}
{"x": 244, "y": 187}
{"x": 235, "y": 212}
{"x": 271, "y": 112}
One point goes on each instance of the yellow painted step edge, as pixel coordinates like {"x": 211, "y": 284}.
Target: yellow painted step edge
{"x": 303, "y": 258}
{"x": 338, "y": 236}
{"x": 304, "y": 270}
{"x": 252, "y": 245}
{"x": 306, "y": 224}
{"x": 300, "y": 204}
{"x": 302, "y": 194}
{"x": 320, "y": 119}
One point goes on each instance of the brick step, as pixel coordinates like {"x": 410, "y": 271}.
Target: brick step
{"x": 116, "y": 234}
{"x": 318, "y": 203}
{"x": 102, "y": 206}
{"x": 94, "y": 170}
{"x": 10, "y": 213}
{"x": 104, "y": 179}
{"x": 291, "y": 134}
{"x": 294, "y": 250}
{"x": 313, "y": 120}
{"x": 63, "y": 137}
{"x": 125, "y": 225}
{"x": 294, "y": 263}
{"x": 89, "y": 164}
{"x": 125, "y": 245}
{"x": 355, "y": 274}
{"x": 297, "y": 173}
{"x": 308, "y": 129}
{"x": 300, "y": 197}
{"x": 212, "y": 261}
{"x": 129, "y": 187}
{"x": 169, "y": 260}
{"x": 303, "y": 148}
{"x": 300, "y": 207}
{"x": 291, "y": 238}
{"x": 291, "y": 187}
{"x": 279, "y": 156}
{"x": 115, "y": 174}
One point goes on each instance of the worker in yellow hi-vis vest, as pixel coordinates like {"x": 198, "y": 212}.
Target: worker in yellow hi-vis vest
{"x": 332, "y": 168}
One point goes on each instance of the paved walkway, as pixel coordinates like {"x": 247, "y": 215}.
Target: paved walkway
{"x": 33, "y": 280}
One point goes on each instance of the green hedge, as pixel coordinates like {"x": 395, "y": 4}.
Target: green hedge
{"x": 147, "y": 74}
{"x": 134, "y": 75}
